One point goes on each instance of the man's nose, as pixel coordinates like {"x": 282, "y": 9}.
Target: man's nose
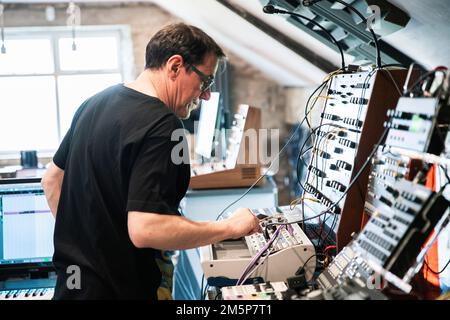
{"x": 206, "y": 95}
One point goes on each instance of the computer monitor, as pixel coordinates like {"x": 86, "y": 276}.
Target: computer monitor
{"x": 26, "y": 225}
{"x": 209, "y": 121}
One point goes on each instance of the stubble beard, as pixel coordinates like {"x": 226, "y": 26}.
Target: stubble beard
{"x": 189, "y": 108}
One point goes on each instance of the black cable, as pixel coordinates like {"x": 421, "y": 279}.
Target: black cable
{"x": 439, "y": 134}
{"x": 306, "y": 262}
{"x": 369, "y": 76}
{"x": 289, "y": 140}
{"x": 205, "y": 291}
{"x": 307, "y": 112}
{"x": 363, "y": 93}
{"x": 318, "y": 236}
{"x": 301, "y": 155}
{"x": 271, "y": 9}
{"x": 315, "y": 157}
{"x": 445, "y": 173}
{"x": 263, "y": 175}
{"x": 201, "y": 287}
{"x": 363, "y": 167}
{"x": 323, "y": 226}
{"x": 321, "y": 230}
{"x": 324, "y": 139}
{"x": 279, "y": 153}
{"x": 320, "y": 138}
{"x": 327, "y": 236}
{"x": 293, "y": 222}
{"x": 366, "y": 80}
{"x": 353, "y": 181}
{"x": 375, "y": 39}
{"x": 348, "y": 6}
{"x": 437, "y": 272}
{"x": 321, "y": 87}
{"x": 330, "y": 79}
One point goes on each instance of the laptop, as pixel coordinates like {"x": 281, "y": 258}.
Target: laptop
{"x": 26, "y": 241}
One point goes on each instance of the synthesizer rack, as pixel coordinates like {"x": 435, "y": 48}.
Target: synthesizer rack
{"x": 411, "y": 124}
{"x": 402, "y": 211}
{"x": 351, "y": 124}
{"x": 403, "y": 214}
{"x": 346, "y": 265}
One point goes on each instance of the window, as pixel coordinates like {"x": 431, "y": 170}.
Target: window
{"x": 43, "y": 81}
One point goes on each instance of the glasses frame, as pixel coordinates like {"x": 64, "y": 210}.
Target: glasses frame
{"x": 207, "y": 81}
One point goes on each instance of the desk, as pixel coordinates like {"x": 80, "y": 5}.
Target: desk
{"x": 206, "y": 205}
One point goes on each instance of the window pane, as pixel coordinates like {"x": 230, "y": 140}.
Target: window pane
{"x": 91, "y": 53}
{"x": 28, "y": 113}
{"x": 27, "y": 56}
{"x": 73, "y": 90}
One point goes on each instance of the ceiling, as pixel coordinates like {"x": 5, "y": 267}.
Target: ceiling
{"x": 426, "y": 38}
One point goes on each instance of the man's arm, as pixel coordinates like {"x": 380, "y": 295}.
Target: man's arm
{"x": 52, "y": 182}
{"x": 168, "y": 232}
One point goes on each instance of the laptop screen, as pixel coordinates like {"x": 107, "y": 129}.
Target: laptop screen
{"x": 26, "y": 224}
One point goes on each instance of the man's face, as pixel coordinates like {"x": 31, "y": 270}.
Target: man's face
{"x": 190, "y": 86}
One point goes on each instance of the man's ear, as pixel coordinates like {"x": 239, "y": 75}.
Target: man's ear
{"x": 174, "y": 65}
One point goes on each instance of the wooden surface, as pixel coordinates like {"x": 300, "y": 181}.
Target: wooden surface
{"x": 217, "y": 175}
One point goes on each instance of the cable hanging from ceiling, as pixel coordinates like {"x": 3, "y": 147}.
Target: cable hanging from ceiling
{"x": 2, "y": 28}
{"x": 73, "y": 19}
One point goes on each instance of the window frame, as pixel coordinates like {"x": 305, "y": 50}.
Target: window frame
{"x": 125, "y": 61}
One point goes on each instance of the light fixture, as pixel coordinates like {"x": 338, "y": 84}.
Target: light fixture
{"x": 73, "y": 19}
{"x": 2, "y": 28}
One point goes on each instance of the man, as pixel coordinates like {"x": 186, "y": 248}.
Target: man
{"x": 113, "y": 185}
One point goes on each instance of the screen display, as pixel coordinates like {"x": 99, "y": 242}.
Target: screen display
{"x": 26, "y": 225}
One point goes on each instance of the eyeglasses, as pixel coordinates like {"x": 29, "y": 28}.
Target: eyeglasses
{"x": 207, "y": 81}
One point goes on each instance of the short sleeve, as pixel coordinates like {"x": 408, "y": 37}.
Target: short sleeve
{"x": 157, "y": 177}
{"x": 60, "y": 156}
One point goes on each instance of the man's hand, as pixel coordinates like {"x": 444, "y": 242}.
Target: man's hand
{"x": 242, "y": 223}
{"x": 171, "y": 232}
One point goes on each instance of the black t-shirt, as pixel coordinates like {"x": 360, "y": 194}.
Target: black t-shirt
{"x": 117, "y": 157}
